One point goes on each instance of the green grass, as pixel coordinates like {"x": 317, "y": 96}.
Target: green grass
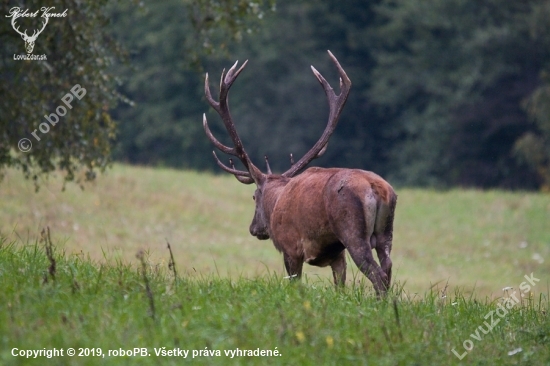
{"x": 86, "y": 304}
{"x": 470, "y": 239}
{"x": 454, "y": 252}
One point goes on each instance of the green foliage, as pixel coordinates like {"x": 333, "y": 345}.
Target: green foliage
{"x": 535, "y": 147}
{"x": 217, "y": 23}
{"x": 79, "y": 50}
{"x": 107, "y": 306}
{"x": 444, "y": 92}
{"x": 455, "y": 74}
{"x": 162, "y": 123}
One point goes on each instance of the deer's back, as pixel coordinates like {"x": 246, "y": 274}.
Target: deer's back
{"x": 304, "y": 213}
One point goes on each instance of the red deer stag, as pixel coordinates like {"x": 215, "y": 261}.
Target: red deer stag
{"x": 313, "y": 216}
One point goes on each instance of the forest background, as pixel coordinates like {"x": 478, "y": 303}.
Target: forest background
{"x": 445, "y": 93}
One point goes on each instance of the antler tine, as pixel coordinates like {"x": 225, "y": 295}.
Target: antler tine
{"x": 341, "y": 71}
{"x": 267, "y": 164}
{"x": 242, "y": 179}
{"x": 221, "y": 80}
{"x": 242, "y": 176}
{"x": 211, "y": 100}
{"x": 219, "y": 145}
{"x": 336, "y": 103}
{"x": 232, "y": 74}
{"x": 226, "y": 80}
{"x": 231, "y": 170}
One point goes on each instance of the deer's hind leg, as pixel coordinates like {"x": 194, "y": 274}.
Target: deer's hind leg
{"x": 383, "y": 236}
{"x": 383, "y": 249}
{"x": 361, "y": 253}
{"x": 352, "y": 219}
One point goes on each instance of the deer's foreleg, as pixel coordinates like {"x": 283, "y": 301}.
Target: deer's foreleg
{"x": 293, "y": 266}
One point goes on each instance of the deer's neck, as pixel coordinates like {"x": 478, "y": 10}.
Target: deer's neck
{"x": 273, "y": 189}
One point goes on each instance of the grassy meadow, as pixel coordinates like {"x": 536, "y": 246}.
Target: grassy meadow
{"x": 465, "y": 239}
{"x": 84, "y": 288}
{"x": 149, "y": 315}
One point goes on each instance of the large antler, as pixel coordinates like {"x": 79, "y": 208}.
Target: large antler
{"x": 253, "y": 174}
{"x": 336, "y": 103}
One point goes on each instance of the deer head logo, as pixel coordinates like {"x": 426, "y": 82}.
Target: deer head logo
{"x": 29, "y": 40}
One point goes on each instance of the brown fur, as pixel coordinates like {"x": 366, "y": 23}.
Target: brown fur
{"x": 315, "y": 215}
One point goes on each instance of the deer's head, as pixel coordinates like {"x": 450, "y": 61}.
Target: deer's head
{"x": 259, "y": 227}
{"x": 268, "y": 184}
{"x": 29, "y": 40}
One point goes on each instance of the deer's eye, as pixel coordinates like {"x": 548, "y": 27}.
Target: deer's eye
{"x": 254, "y": 198}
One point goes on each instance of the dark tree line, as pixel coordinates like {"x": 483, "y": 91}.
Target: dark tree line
{"x": 444, "y": 93}
{"x": 457, "y": 77}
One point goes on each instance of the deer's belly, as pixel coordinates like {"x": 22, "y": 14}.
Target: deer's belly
{"x": 321, "y": 254}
